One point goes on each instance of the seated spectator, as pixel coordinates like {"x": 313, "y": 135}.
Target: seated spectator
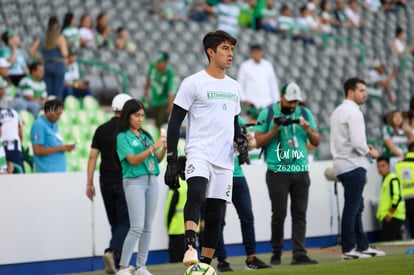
{"x": 32, "y": 91}
{"x": 340, "y": 16}
{"x": 327, "y": 20}
{"x": 197, "y": 12}
{"x": 103, "y": 32}
{"x": 48, "y": 148}
{"x": 391, "y": 205}
{"x": 124, "y": 42}
{"x": 6, "y": 167}
{"x": 227, "y": 12}
{"x": 74, "y": 85}
{"x": 11, "y": 138}
{"x": 304, "y": 26}
{"x": 173, "y": 10}
{"x": 7, "y": 89}
{"x": 378, "y": 80}
{"x": 14, "y": 56}
{"x": 373, "y": 5}
{"x": 352, "y": 13}
{"x": 285, "y": 22}
{"x": 70, "y": 32}
{"x": 397, "y": 133}
{"x": 269, "y": 17}
{"x": 86, "y": 34}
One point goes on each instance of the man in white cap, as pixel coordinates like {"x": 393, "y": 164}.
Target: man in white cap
{"x": 286, "y": 130}
{"x": 110, "y": 179}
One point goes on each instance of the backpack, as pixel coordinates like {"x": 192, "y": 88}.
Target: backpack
{"x": 270, "y": 114}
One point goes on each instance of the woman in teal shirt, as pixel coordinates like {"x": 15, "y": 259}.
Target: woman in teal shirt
{"x": 138, "y": 156}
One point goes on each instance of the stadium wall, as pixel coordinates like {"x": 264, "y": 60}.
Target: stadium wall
{"x": 47, "y": 222}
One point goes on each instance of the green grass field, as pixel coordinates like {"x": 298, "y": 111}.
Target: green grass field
{"x": 395, "y": 262}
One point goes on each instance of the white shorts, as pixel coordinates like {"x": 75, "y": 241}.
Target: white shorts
{"x": 220, "y": 180}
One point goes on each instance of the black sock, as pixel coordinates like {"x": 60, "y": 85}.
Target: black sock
{"x": 190, "y": 239}
{"x": 205, "y": 260}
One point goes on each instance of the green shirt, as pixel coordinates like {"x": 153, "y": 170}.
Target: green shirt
{"x": 127, "y": 143}
{"x": 162, "y": 84}
{"x": 31, "y": 87}
{"x": 72, "y": 35}
{"x": 287, "y": 151}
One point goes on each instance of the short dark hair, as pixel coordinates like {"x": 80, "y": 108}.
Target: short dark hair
{"x": 33, "y": 66}
{"x": 212, "y": 39}
{"x": 163, "y": 57}
{"x": 52, "y": 105}
{"x": 398, "y": 31}
{"x": 383, "y": 158}
{"x": 351, "y": 84}
{"x": 255, "y": 47}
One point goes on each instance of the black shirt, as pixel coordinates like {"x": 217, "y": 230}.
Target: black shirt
{"x": 104, "y": 140}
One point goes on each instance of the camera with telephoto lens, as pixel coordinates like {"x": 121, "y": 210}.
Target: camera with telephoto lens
{"x": 285, "y": 120}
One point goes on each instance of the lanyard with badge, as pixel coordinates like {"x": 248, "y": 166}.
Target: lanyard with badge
{"x": 150, "y": 165}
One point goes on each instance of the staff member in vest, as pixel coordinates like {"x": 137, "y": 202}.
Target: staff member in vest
{"x": 405, "y": 172}
{"x": 138, "y": 157}
{"x": 391, "y": 207}
{"x": 285, "y": 138}
{"x": 350, "y": 150}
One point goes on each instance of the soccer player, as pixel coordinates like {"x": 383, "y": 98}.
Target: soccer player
{"x": 211, "y": 101}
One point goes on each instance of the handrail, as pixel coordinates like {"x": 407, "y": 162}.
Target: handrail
{"x": 106, "y": 67}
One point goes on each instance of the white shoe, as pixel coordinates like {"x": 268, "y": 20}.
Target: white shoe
{"x": 373, "y": 252}
{"x": 354, "y": 254}
{"x": 190, "y": 256}
{"x": 142, "y": 271}
{"x": 109, "y": 261}
{"x": 125, "y": 271}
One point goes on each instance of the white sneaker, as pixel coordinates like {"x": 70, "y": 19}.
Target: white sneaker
{"x": 354, "y": 254}
{"x": 109, "y": 261}
{"x": 190, "y": 256}
{"x": 142, "y": 271}
{"x": 373, "y": 252}
{"x": 125, "y": 271}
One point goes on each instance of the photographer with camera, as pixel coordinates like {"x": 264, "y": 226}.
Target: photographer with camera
{"x": 284, "y": 136}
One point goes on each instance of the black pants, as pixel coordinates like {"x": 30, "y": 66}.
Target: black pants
{"x": 409, "y": 212}
{"x": 391, "y": 230}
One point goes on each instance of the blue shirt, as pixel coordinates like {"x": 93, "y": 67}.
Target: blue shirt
{"x": 47, "y": 134}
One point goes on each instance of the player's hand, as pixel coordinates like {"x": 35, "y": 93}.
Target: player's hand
{"x": 172, "y": 172}
{"x": 243, "y": 148}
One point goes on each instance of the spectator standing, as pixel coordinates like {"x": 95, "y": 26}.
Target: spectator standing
{"x": 138, "y": 157}
{"x": 243, "y": 204}
{"x": 378, "y": 80}
{"x": 32, "y": 91}
{"x": 161, "y": 81}
{"x": 350, "y": 153}
{"x": 86, "y": 33}
{"x": 15, "y": 56}
{"x": 70, "y": 32}
{"x": 48, "y": 148}
{"x": 287, "y": 170}
{"x": 110, "y": 182}
{"x": 6, "y": 167}
{"x": 74, "y": 85}
{"x": 391, "y": 206}
{"x": 260, "y": 86}
{"x": 405, "y": 173}
{"x": 103, "y": 32}
{"x": 53, "y": 53}
{"x": 211, "y": 94}
{"x": 124, "y": 42}
{"x": 11, "y": 138}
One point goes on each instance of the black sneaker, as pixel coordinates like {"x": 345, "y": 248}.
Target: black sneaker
{"x": 256, "y": 264}
{"x": 275, "y": 260}
{"x": 302, "y": 260}
{"x": 224, "y": 267}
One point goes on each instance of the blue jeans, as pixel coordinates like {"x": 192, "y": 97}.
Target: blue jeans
{"x": 117, "y": 212}
{"x": 281, "y": 186}
{"x": 141, "y": 195}
{"x": 54, "y": 78}
{"x": 78, "y": 93}
{"x": 243, "y": 204}
{"x": 352, "y": 231}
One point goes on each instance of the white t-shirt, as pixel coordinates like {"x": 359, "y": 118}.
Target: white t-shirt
{"x": 212, "y": 105}
{"x": 259, "y": 83}
{"x": 10, "y": 128}
{"x": 87, "y": 34}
